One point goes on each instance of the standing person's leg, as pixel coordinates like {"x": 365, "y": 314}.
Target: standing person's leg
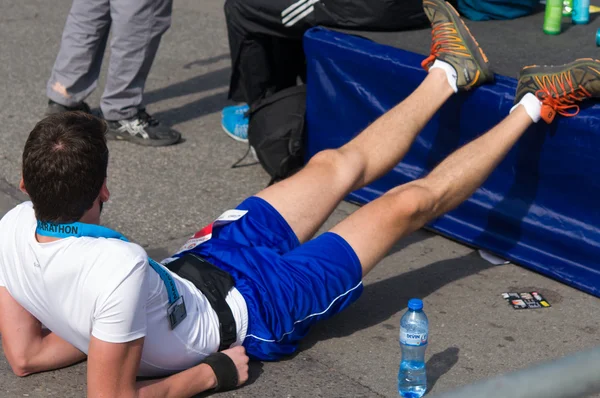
{"x": 138, "y": 26}
{"x": 265, "y": 43}
{"x": 257, "y": 27}
{"x": 254, "y": 28}
{"x": 265, "y": 40}
{"x": 77, "y": 66}
{"x": 307, "y": 198}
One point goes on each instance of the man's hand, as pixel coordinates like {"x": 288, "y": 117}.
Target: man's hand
{"x": 240, "y": 359}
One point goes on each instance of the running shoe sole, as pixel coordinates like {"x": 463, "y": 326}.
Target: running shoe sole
{"x": 235, "y": 137}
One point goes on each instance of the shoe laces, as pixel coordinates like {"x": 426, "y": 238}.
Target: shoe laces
{"x": 550, "y": 95}
{"x": 146, "y": 119}
{"x": 444, "y": 39}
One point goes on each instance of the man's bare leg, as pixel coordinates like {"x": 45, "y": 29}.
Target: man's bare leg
{"x": 307, "y": 199}
{"x": 374, "y": 228}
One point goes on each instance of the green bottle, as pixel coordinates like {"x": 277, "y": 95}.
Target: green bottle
{"x": 567, "y": 8}
{"x": 553, "y": 17}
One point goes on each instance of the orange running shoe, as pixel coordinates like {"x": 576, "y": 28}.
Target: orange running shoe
{"x": 453, "y": 43}
{"x": 560, "y": 88}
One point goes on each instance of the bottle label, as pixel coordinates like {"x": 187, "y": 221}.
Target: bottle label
{"x": 414, "y": 339}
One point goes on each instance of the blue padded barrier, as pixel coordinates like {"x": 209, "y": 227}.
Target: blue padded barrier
{"x": 538, "y": 209}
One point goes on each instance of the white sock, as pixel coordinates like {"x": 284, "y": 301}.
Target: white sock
{"x": 532, "y": 106}
{"x": 450, "y": 72}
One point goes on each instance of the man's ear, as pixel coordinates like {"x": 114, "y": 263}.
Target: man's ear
{"x": 22, "y": 186}
{"x": 104, "y": 193}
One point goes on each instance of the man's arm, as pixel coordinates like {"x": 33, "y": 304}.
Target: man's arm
{"x": 112, "y": 370}
{"x": 28, "y": 348}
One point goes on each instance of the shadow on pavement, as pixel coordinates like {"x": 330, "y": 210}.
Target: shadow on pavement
{"x": 197, "y": 84}
{"x": 203, "y": 106}
{"x": 207, "y": 61}
{"x": 439, "y": 364}
{"x": 193, "y": 110}
{"x": 382, "y": 299}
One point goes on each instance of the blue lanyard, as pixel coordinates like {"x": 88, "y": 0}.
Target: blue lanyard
{"x": 176, "y": 311}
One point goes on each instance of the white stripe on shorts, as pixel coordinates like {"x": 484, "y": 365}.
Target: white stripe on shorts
{"x": 310, "y": 316}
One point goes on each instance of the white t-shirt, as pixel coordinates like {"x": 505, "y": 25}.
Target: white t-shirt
{"x": 79, "y": 287}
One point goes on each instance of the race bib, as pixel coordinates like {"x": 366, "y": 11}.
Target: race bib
{"x": 205, "y": 233}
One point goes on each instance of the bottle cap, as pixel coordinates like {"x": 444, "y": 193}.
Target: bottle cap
{"x": 415, "y": 304}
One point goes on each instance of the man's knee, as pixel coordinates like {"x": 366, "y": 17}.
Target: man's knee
{"x": 415, "y": 201}
{"x": 329, "y": 159}
{"x": 336, "y": 159}
{"x": 343, "y": 165}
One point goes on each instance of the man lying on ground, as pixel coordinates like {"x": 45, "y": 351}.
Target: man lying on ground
{"x": 254, "y": 282}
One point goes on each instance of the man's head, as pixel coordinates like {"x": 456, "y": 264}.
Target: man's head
{"x": 64, "y": 166}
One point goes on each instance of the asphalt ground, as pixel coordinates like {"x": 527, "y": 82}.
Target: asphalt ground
{"x": 162, "y": 195}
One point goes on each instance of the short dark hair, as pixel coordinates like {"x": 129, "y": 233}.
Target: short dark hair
{"x": 64, "y": 165}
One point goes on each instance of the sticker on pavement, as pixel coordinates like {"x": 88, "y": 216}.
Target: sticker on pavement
{"x": 526, "y": 300}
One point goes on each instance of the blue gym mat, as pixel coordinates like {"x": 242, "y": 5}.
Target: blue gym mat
{"x": 538, "y": 209}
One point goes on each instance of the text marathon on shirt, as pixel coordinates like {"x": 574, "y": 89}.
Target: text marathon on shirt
{"x": 60, "y": 228}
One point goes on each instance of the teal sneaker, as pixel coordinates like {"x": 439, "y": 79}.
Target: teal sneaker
{"x": 235, "y": 122}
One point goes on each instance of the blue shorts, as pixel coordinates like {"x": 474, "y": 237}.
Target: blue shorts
{"x": 288, "y": 287}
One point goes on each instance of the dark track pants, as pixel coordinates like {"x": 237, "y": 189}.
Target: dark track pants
{"x": 265, "y": 36}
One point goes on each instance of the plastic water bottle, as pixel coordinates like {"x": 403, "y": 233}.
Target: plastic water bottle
{"x": 553, "y": 17}
{"x": 414, "y": 332}
{"x": 581, "y": 12}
